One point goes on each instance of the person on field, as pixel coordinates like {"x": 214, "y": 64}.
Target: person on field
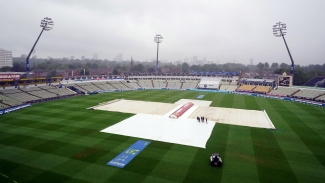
{"x": 198, "y": 119}
{"x": 206, "y": 120}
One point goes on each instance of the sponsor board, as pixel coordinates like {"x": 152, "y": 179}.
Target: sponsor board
{"x": 8, "y": 110}
{"x": 200, "y": 96}
{"x": 128, "y": 154}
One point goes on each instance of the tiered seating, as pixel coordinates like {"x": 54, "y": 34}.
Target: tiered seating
{"x": 159, "y": 84}
{"x": 47, "y": 87}
{"x": 173, "y": 84}
{"x": 232, "y": 87}
{"x": 262, "y": 89}
{"x": 79, "y": 88}
{"x": 128, "y": 85}
{"x": 37, "y": 91}
{"x": 186, "y": 85}
{"x": 229, "y": 86}
{"x": 42, "y": 94}
{"x": 103, "y": 85}
{"x": 121, "y": 86}
{"x": 318, "y": 81}
{"x": 284, "y": 91}
{"x": 145, "y": 83}
{"x": 88, "y": 86}
{"x": 61, "y": 91}
{"x": 4, "y": 106}
{"x": 234, "y": 83}
{"x": 9, "y": 101}
{"x": 23, "y": 96}
{"x": 170, "y": 84}
{"x": 321, "y": 98}
{"x": 193, "y": 84}
{"x": 178, "y": 85}
{"x": 116, "y": 85}
{"x": 10, "y": 91}
{"x": 30, "y": 89}
{"x": 309, "y": 94}
{"x": 134, "y": 84}
{"x": 246, "y": 87}
{"x": 156, "y": 84}
{"x": 224, "y": 82}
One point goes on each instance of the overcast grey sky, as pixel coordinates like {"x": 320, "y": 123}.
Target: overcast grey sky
{"x": 224, "y": 30}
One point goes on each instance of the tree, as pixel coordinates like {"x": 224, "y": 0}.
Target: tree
{"x": 260, "y": 66}
{"x": 299, "y": 78}
{"x": 151, "y": 69}
{"x": 281, "y": 71}
{"x": 115, "y": 72}
{"x": 195, "y": 68}
{"x": 284, "y": 66}
{"x": 5, "y": 69}
{"x": 266, "y": 65}
{"x": 185, "y": 67}
{"x": 18, "y": 67}
{"x": 274, "y": 65}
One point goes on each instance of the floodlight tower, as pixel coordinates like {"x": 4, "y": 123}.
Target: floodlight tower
{"x": 46, "y": 25}
{"x": 279, "y": 30}
{"x": 158, "y": 39}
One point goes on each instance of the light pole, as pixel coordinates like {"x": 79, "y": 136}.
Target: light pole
{"x": 158, "y": 39}
{"x": 279, "y": 30}
{"x": 46, "y": 25}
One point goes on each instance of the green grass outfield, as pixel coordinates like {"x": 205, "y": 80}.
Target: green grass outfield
{"x": 59, "y": 141}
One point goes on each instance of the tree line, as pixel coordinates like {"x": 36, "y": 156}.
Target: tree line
{"x": 302, "y": 73}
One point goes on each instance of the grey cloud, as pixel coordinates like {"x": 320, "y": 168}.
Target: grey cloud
{"x": 218, "y": 30}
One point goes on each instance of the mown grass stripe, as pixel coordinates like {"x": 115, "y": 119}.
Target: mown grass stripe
{"x": 307, "y": 135}
{"x": 200, "y": 169}
{"x": 227, "y": 101}
{"x": 271, "y": 163}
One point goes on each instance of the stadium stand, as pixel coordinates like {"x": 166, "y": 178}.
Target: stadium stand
{"x": 173, "y": 84}
{"x": 190, "y": 84}
{"x": 262, "y": 89}
{"x": 317, "y": 81}
{"x": 9, "y": 101}
{"x": 115, "y": 84}
{"x": 228, "y": 86}
{"x": 309, "y": 93}
{"x": 134, "y": 84}
{"x": 42, "y": 94}
{"x": 246, "y": 88}
{"x": 145, "y": 83}
{"x": 127, "y": 85}
{"x": 23, "y": 96}
{"x": 284, "y": 91}
{"x": 3, "y": 106}
{"x": 88, "y": 86}
{"x": 194, "y": 83}
{"x": 320, "y": 98}
{"x": 61, "y": 91}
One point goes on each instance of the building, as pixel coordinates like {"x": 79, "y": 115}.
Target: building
{"x": 23, "y": 56}
{"x": 5, "y": 58}
{"x": 83, "y": 57}
{"x": 95, "y": 56}
{"x": 195, "y": 60}
{"x": 34, "y": 57}
{"x": 119, "y": 57}
{"x": 131, "y": 64}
